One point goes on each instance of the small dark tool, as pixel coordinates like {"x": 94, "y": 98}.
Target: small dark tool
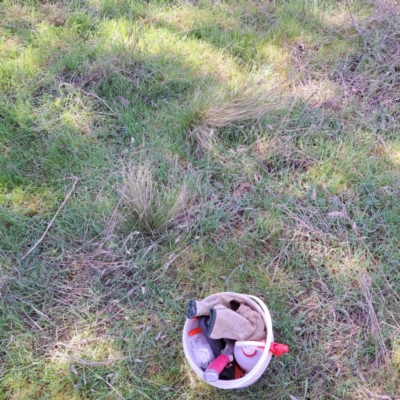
{"x": 215, "y": 344}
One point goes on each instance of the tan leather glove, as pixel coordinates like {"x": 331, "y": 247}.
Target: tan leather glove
{"x": 229, "y": 318}
{"x": 225, "y": 323}
{"x": 256, "y": 321}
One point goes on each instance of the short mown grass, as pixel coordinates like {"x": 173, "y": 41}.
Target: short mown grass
{"x": 154, "y": 152}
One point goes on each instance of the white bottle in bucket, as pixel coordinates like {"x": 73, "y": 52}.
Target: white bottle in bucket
{"x": 201, "y": 350}
{"x": 248, "y": 353}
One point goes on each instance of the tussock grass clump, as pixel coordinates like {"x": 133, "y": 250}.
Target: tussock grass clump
{"x": 221, "y": 107}
{"x": 152, "y": 204}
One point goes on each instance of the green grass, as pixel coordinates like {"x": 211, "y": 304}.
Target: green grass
{"x": 238, "y": 146}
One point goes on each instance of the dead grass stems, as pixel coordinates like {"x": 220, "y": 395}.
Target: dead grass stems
{"x": 219, "y": 108}
{"x": 151, "y": 206}
{"x": 52, "y": 220}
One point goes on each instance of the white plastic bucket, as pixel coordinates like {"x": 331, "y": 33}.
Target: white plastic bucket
{"x": 255, "y": 374}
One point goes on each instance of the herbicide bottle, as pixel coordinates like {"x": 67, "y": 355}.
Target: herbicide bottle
{"x": 248, "y": 353}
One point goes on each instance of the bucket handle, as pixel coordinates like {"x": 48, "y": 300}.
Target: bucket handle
{"x": 277, "y": 349}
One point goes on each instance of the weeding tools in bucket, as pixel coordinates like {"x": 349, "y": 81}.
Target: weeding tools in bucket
{"x": 231, "y": 318}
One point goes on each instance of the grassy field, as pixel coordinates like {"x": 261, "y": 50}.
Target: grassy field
{"x": 158, "y": 151}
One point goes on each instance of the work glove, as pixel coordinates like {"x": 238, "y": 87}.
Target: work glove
{"x": 200, "y": 308}
{"x": 225, "y": 323}
{"x": 229, "y": 318}
{"x": 256, "y": 321}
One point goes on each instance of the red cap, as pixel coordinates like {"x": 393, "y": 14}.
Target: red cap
{"x": 277, "y": 349}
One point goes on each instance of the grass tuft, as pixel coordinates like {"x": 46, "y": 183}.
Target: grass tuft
{"x": 151, "y": 204}
{"x": 221, "y": 107}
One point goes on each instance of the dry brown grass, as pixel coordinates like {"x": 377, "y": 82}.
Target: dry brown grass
{"x": 148, "y": 205}
{"x": 227, "y": 107}
{"x": 370, "y": 77}
{"x": 280, "y": 154}
{"x": 243, "y": 103}
{"x": 373, "y": 320}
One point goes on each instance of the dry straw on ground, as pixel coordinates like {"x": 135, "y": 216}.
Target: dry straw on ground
{"x": 150, "y": 206}
{"x": 227, "y": 107}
